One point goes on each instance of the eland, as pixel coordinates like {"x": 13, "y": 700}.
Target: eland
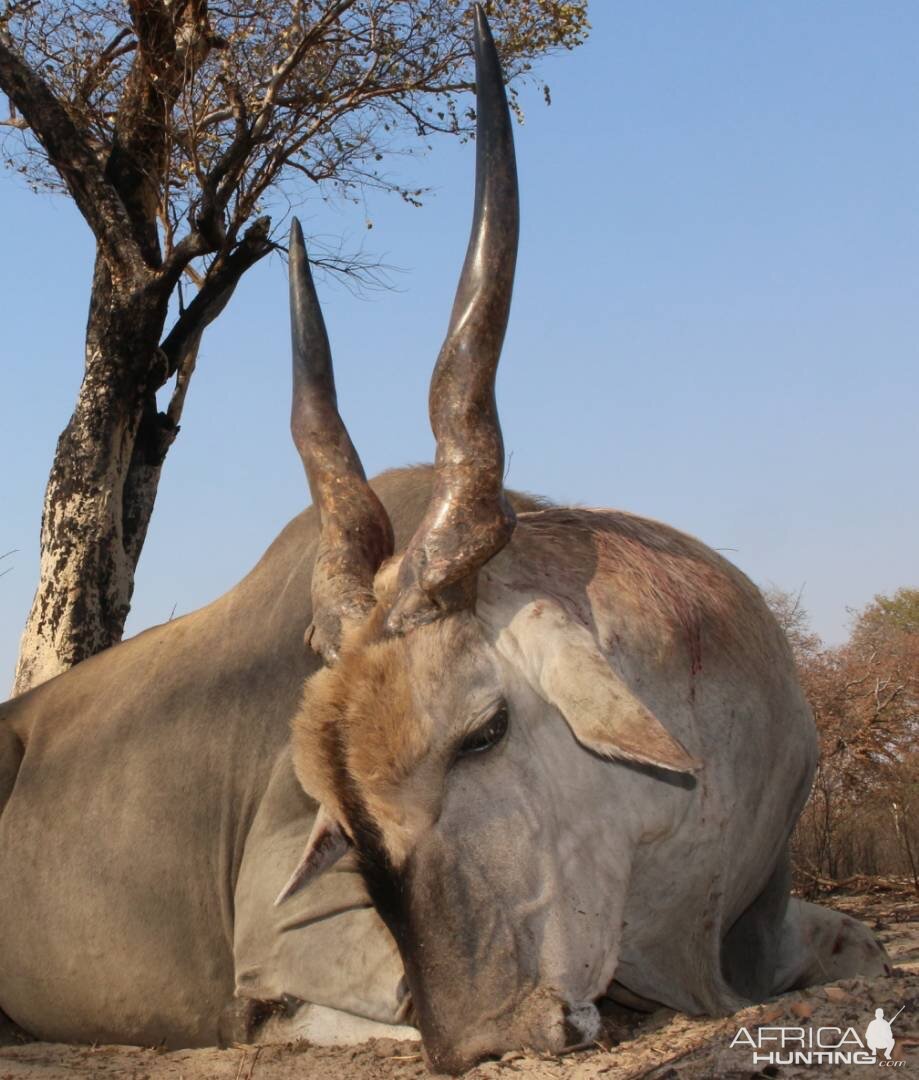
{"x": 532, "y": 756}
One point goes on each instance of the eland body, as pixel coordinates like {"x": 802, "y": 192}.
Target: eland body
{"x": 550, "y": 754}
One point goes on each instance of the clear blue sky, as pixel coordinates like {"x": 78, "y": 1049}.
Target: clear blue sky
{"x": 715, "y": 321}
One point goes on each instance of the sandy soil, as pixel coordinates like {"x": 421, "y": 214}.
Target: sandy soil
{"x": 662, "y": 1046}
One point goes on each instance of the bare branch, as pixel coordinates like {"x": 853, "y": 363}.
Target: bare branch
{"x": 6, "y": 555}
{"x": 218, "y": 285}
{"x": 69, "y": 149}
{"x": 115, "y": 49}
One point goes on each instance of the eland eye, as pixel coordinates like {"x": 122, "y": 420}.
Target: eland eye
{"x": 487, "y": 736}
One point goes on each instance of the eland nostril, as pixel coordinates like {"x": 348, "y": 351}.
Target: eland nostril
{"x": 581, "y": 1023}
{"x": 541, "y": 1021}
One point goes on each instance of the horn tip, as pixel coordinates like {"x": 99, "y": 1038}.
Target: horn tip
{"x": 487, "y": 61}
{"x": 482, "y": 29}
{"x": 296, "y": 233}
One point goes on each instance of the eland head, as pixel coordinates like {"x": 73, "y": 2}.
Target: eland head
{"x": 458, "y": 678}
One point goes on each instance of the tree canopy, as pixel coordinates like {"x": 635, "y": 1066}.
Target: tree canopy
{"x": 175, "y": 125}
{"x": 194, "y": 111}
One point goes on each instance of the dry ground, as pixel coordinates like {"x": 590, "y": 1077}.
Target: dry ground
{"x": 662, "y": 1046}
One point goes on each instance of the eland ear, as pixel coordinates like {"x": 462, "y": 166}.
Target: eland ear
{"x": 562, "y": 662}
{"x": 325, "y": 846}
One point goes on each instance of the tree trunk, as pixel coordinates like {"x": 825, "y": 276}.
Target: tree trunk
{"x": 108, "y": 461}
{"x": 107, "y": 465}
{"x": 101, "y": 488}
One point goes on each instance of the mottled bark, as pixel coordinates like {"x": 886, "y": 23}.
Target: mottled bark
{"x": 87, "y": 573}
{"x": 107, "y": 466}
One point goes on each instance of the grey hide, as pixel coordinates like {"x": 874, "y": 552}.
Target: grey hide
{"x": 151, "y": 816}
